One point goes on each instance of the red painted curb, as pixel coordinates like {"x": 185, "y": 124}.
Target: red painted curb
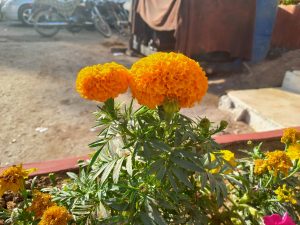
{"x": 233, "y": 138}
{"x": 62, "y": 165}
{"x": 53, "y": 166}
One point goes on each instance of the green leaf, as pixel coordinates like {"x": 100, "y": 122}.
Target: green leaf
{"x": 95, "y": 156}
{"x": 146, "y": 219}
{"x": 172, "y": 182}
{"x": 160, "y": 145}
{"x": 182, "y": 176}
{"x": 129, "y": 165}
{"x": 117, "y": 169}
{"x": 161, "y": 172}
{"x": 155, "y": 166}
{"x": 203, "y": 177}
{"x": 157, "y": 217}
{"x": 99, "y": 171}
{"x": 108, "y": 169}
{"x": 72, "y": 175}
{"x": 187, "y": 164}
{"x": 97, "y": 143}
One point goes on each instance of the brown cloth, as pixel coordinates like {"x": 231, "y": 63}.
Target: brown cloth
{"x": 204, "y": 25}
{"x": 160, "y": 15}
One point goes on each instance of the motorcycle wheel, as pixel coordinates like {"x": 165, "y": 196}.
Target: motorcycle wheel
{"x": 101, "y": 25}
{"x": 45, "y": 16}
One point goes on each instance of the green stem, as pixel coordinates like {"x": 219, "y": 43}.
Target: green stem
{"x": 235, "y": 205}
{"x": 269, "y": 181}
{"x": 291, "y": 174}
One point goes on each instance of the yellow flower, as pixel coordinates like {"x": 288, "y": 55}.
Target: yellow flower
{"x": 227, "y": 156}
{"x": 285, "y": 195}
{"x": 40, "y": 203}
{"x": 293, "y": 151}
{"x": 12, "y": 179}
{"x": 278, "y": 161}
{"x": 101, "y": 82}
{"x": 260, "y": 166}
{"x": 55, "y": 215}
{"x": 164, "y": 77}
{"x": 290, "y": 136}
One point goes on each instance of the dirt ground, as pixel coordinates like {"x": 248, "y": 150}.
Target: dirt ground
{"x": 42, "y": 116}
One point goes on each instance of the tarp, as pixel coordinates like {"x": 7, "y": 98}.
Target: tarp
{"x": 203, "y": 25}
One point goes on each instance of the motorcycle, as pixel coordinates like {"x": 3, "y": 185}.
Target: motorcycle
{"x": 49, "y": 16}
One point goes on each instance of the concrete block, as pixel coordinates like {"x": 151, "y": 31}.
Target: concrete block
{"x": 291, "y": 81}
{"x": 264, "y": 109}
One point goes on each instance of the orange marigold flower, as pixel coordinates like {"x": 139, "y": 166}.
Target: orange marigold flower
{"x": 101, "y": 82}
{"x": 167, "y": 76}
{"x": 278, "y": 161}
{"x": 55, "y": 215}
{"x": 40, "y": 203}
{"x": 293, "y": 151}
{"x": 12, "y": 179}
{"x": 260, "y": 166}
{"x": 290, "y": 136}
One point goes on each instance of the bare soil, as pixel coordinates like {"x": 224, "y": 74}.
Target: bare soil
{"x": 41, "y": 115}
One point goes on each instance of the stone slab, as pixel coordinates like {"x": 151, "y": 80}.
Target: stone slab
{"x": 264, "y": 109}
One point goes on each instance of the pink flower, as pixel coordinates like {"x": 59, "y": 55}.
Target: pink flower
{"x": 276, "y": 219}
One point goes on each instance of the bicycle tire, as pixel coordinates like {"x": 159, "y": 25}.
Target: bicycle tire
{"x": 101, "y": 25}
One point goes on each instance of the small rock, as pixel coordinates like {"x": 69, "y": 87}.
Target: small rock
{"x": 10, "y": 205}
{"x": 41, "y": 129}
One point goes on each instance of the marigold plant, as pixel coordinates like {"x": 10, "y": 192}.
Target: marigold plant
{"x": 285, "y": 194}
{"x": 278, "y": 161}
{"x": 40, "y": 203}
{"x": 102, "y": 82}
{"x": 55, "y": 215}
{"x": 155, "y": 166}
{"x": 293, "y": 151}
{"x": 260, "y": 166}
{"x": 290, "y": 136}
{"x": 167, "y": 76}
{"x": 12, "y": 179}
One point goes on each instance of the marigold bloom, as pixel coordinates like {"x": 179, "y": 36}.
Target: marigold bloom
{"x": 260, "y": 166}
{"x": 290, "y": 136}
{"x": 40, "y": 203}
{"x": 167, "y": 76}
{"x": 55, "y": 215}
{"x": 278, "y": 161}
{"x": 285, "y": 195}
{"x": 101, "y": 82}
{"x": 227, "y": 156}
{"x": 293, "y": 151}
{"x": 12, "y": 179}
